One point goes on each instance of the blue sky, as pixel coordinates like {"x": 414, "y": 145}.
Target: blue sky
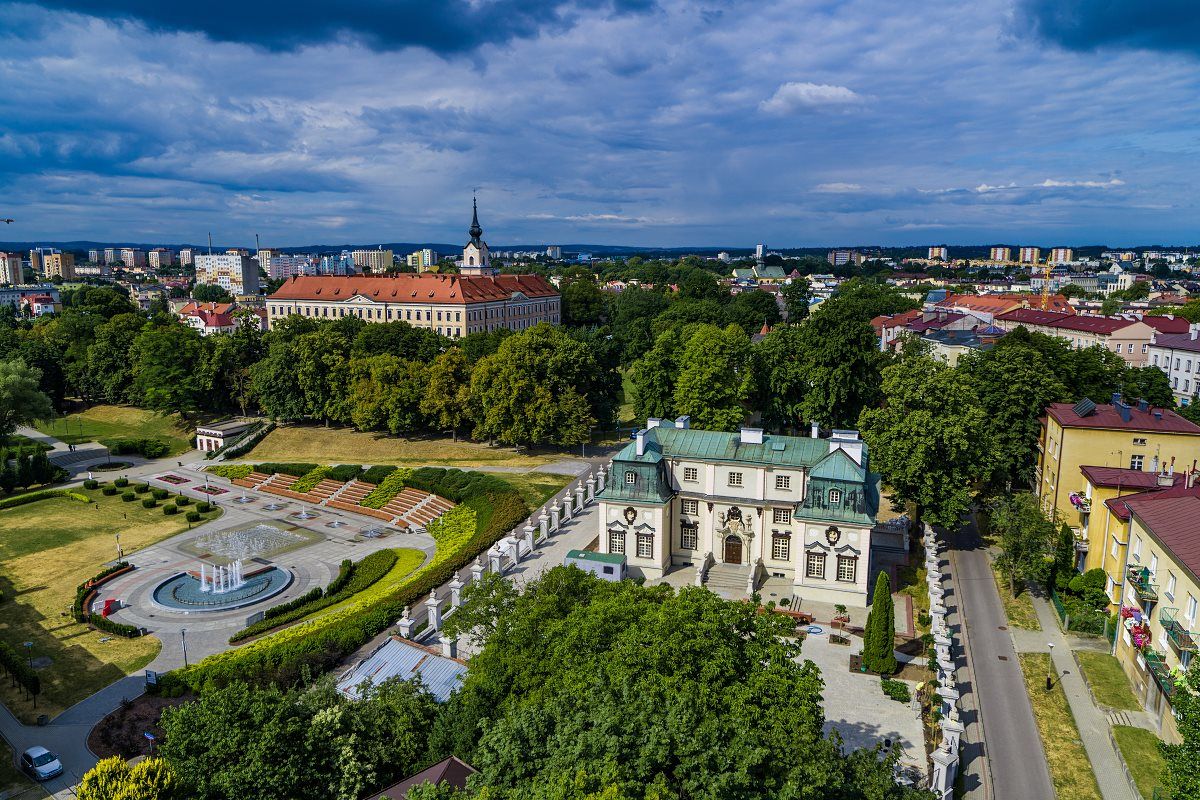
{"x": 642, "y": 122}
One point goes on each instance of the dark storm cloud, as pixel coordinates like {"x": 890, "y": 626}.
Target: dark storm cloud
{"x": 443, "y": 25}
{"x": 1091, "y": 24}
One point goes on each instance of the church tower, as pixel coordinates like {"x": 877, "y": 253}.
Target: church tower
{"x": 476, "y": 258}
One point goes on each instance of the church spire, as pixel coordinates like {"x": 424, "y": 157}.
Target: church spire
{"x": 475, "y": 230}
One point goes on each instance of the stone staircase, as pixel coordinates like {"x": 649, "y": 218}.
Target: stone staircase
{"x": 727, "y": 580}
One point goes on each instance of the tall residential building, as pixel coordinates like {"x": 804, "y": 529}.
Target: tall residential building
{"x": 112, "y": 255}
{"x": 1061, "y": 255}
{"x": 48, "y": 262}
{"x": 554, "y": 251}
{"x": 423, "y": 260}
{"x": 1030, "y": 255}
{"x": 840, "y": 258}
{"x": 160, "y": 257}
{"x": 760, "y": 250}
{"x": 452, "y": 305}
{"x": 96, "y": 256}
{"x": 236, "y": 273}
{"x": 133, "y": 258}
{"x": 12, "y": 268}
{"x": 1000, "y": 254}
{"x": 285, "y": 266}
{"x": 378, "y": 260}
{"x": 342, "y": 264}
{"x": 477, "y": 259}
{"x": 185, "y": 257}
{"x": 939, "y": 254}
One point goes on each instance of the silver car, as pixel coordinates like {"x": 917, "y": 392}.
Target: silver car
{"x": 41, "y": 764}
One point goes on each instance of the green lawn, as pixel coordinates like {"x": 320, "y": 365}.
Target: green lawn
{"x": 537, "y": 487}
{"x": 1019, "y": 609}
{"x": 49, "y": 547}
{"x": 1139, "y": 748}
{"x": 1108, "y": 681}
{"x": 407, "y": 562}
{"x": 625, "y": 411}
{"x": 12, "y": 780}
{"x": 1070, "y": 770}
{"x": 911, "y": 581}
{"x": 106, "y": 424}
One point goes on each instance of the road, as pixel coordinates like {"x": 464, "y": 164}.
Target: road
{"x": 1007, "y": 737}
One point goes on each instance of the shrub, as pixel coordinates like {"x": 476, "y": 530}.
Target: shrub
{"x": 170, "y": 509}
{"x": 82, "y": 614}
{"x": 204, "y": 506}
{"x": 345, "y": 472}
{"x": 18, "y": 667}
{"x": 193, "y": 516}
{"x": 121, "y": 483}
{"x": 91, "y": 483}
{"x": 109, "y": 491}
{"x": 387, "y": 489}
{"x": 879, "y": 637}
{"x": 142, "y": 488}
{"x": 149, "y": 448}
{"x": 182, "y": 500}
{"x": 247, "y": 443}
{"x": 897, "y": 690}
{"x": 149, "y": 502}
{"x": 161, "y": 494}
{"x": 33, "y": 497}
{"x": 297, "y": 470}
{"x": 128, "y": 497}
{"x": 377, "y": 474}
{"x": 310, "y": 479}
{"x": 232, "y": 471}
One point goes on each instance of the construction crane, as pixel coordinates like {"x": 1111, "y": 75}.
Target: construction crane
{"x": 1046, "y": 287}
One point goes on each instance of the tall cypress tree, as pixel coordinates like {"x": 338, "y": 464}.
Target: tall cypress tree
{"x": 879, "y": 636}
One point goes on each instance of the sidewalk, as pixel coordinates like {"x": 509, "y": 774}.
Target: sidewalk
{"x": 1093, "y": 724}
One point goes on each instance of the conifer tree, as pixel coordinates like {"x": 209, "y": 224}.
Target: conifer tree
{"x": 879, "y": 636}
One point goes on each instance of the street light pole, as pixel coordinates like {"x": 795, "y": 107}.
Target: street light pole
{"x": 183, "y": 638}
{"x": 1050, "y": 669}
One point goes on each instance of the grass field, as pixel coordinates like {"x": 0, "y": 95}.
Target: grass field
{"x": 911, "y": 581}
{"x": 47, "y": 548}
{"x": 1139, "y": 748}
{"x": 106, "y": 424}
{"x": 1070, "y": 769}
{"x": 1107, "y": 680}
{"x": 12, "y": 780}
{"x": 319, "y": 445}
{"x": 537, "y": 487}
{"x": 407, "y": 562}
{"x": 1019, "y": 609}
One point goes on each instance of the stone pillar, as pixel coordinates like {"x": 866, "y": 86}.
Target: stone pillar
{"x": 406, "y": 624}
{"x": 579, "y": 491}
{"x": 600, "y": 480}
{"x": 543, "y": 526}
{"x": 434, "y": 611}
{"x": 514, "y": 550}
{"x": 591, "y": 488}
{"x": 945, "y": 670}
{"x": 477, "y": 569}
{"x": 945, "y": 770}
{"x": 449, "y": 646}
{"x": 456, "y": 586}
{"x": 566, "y": 515}
{"x": 529, "y": 538}
{"x": 942, "y": 645}
{"x": 952, "y": 731}
{"x": 555, "y": 518}
{"x": 497, "y": 565}
{"x": 949, "y": 697}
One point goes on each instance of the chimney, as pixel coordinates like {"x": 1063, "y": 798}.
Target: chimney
{"x": 751, "y": 436}
{"x": 815, "y": 431}
{"x": 1143, "y": 406}
{"x": 1193, "y": 330}
{"x": 641, "y": 442}
{"x": 1123, "y": 409}
{"x": 1158, "y": 413}
{"x": 1116, "y": 398}
{"x": 683, "y": 422}
{"x": 653, "y": 422}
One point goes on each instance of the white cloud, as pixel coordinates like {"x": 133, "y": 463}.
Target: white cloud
{"x": 983, "y": 188}
{"x": 1050, "y": 183}
{"x": 794, "y": 96}
{"x": 837, "y": 188}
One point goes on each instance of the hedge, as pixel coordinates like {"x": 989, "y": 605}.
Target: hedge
{"x": 377, "y": 474}
{"x": 150, "y": 448}
{"x": 204, "y": 506}
{"x": 319, "y": 644}
{"x": 193, "y": 516}
{"x": 182, "y": 500}
{"x": 142, "y": 488}
{"x": 33, "y": 497}
{"x": 128, "y": 497}
{"x": 387, "y": 489}
{"x": 149, "y": 502}
{"x": 17, "y": 665}
{"x": 169, "y": 510}
{"x": 91, "y": 483}
{"x": 310, "y": 479}
{"x": 345, "y": 472}
{"x": 81, "y": 614}
{"x": 121, "y": 483}
{"x": 161, "y": 494}
{"x": 298, "y": 470}
{"x": 351, "y": 579}
{"x": 108, "y": 491}
{"x": 232, "y": 471}
{"x": 247, "y": 443}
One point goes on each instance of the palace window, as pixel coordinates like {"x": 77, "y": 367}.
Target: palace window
{"x": 691, "y": 474}
{"x": 630, "y": 478}
{"x": 645, "y": 545}
{"x": 835, "y": 496}
{"x": 782, "y": 516}
{"x": 616, "y": 542}
{"x": 814, "y": 566}
{"x": 691, "y": 506}
{"x": 847, "y": 569}
{"x": 735, "y": 479}
{"x": 783, "y": 482}
{"x": 689, "y": 536}
{"x": 781, "y": 548}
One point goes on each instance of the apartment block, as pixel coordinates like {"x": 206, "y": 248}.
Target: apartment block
{"x": 236, "y": 273}
{"x": 376, "y": 261}
{"x": 1030, "y": 255}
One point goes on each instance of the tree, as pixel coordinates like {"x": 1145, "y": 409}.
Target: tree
{"x": 929, "y": 440}
{"x": 652, "y": 377}
{"x": 1182, "y": 775}
{"x": 232, "y": 363}
{"x": 114, "y": 779}
{"x": 1150, "y": 384}
{"x": 21, "y": 401}
{"x": 108, "y": 357}
{"x": 1062, "y": 570}
{"x": 322, "y": 365}
{"x": 211, "y": 293}
{"x": 879, "y": 637}
{"x": 588, "y": 689}
{"x": 796, "y": 295}
{"x": 386, "y": 394}
{"x": 699, "y": 284}
{"x": 841, "y": 361}
{"x": 1024, "y": 539}
{"x": 448, "y": 391}
{"x": 397, "y": 339}
{"x": 583, "y": 303}
{"x": 714, "y": 380}
{"x": 169, "y": 365}
{"x": 782, "y": 382}
{"x": 752, "y": 310}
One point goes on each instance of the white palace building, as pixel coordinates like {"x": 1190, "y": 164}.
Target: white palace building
{"x": 800, "y": 508}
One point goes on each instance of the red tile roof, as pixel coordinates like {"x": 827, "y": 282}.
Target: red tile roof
{"x": 936, "y": 323}
{"x": 894, "y": 320}
{"x": 410, "y": 288}
{"x": 1088, "y": 324}
{"x": 1107, "y": 416}
{"x": 1167, "y": 324}
{"x": 1172, "y": 520}
{"x": 1126, "y": 478}
{"x": 1031, "y": 316}
{"x": 1177, "y": 341}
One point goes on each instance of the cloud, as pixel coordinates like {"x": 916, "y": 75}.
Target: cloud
{"x": 440, "y": 25}
{"x": 837, "y": 188}
{"x": 1092, "y": 24}
{"x": 791, "y": 97}
{"x": 1050, "y": 183}
{"x": 983, "y": 188}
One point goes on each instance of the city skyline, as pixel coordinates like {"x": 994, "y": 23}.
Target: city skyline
{"x": 634, "y": 123}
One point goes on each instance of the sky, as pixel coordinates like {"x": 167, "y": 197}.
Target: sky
{"x": 667, "y": 123}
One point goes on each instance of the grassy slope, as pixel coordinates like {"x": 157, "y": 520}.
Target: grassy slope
{"x": 1107, "y": 680}
{"x": 48, "y": 548}
{"x": 408, "y": 561}
{"x": 344, "y": 446}
{"x": 1019, "y": 609}
{"x": 105, "y": 424}
{"x": 1139, "y": 748}
{"x": 1070, "y": 769}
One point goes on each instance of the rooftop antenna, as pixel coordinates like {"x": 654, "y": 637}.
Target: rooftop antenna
{"x": 257, "y": 246}
{"x": 210, "y": 243}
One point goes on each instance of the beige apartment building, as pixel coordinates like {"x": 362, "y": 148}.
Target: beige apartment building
{"x": 160, "y": 257}
{"x": 1127, "y": 336}
{"x": 452, "y": 305}
{"x": 12, "y": 268}
{"x": 1030, "y": 255}
{"x": 49, "y": 263}
{"x": 377, "y": 261}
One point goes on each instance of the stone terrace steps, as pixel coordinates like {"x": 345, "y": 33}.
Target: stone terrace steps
{"x": 726, "y": 576}
{"x": 252, "y": 480}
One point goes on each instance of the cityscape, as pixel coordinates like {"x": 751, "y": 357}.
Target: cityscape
{"x": 571, "y": 400}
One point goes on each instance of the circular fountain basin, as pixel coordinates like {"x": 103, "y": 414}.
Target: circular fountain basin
{"x": 181, "y": 592}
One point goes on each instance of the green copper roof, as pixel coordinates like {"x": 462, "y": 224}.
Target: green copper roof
{"x": 603, "y": 558}
{"x": 839, "y": 466}
{"x": 783, "y": 451}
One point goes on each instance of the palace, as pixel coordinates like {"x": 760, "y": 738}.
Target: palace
{"x": 750, "y": 503}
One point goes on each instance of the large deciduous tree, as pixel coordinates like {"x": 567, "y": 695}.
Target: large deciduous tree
{"x": 752, "y": 310}
{"x": 21, "y": 401}
{"x": 714, "y": 380}
{"x": 1024, "y": 537}
{"x": 448, "y": 391}
{"x": 652, "y": 377}
{"x": 169, "y": 369}
{"x": 841, "y": 358}
{"x": 796, "y": 295}
{"x": 1150, "y": 384}
{"x": 929, "y": 439}
{"x": 781, "y": 378}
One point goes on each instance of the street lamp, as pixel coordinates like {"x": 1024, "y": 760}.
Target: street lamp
{"x": 29, "y": 653}
{"x": 183, "y": 638}
{"x": 1050, "y": 669}
{"x": 120, "y": 553}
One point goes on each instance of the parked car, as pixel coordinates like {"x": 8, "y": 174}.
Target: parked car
{"x": 41, "y": 764}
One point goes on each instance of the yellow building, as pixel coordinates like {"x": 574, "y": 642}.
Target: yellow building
{"x": 1104, "y": 518}
{"x": 1136, "y": 437}
{"x": 1160, "y": 597}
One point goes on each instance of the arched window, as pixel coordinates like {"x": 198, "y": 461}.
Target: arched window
{"x": 630, "y": 478}
{"x": 471, "y": 260}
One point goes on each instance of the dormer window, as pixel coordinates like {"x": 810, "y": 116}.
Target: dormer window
{"x": 835, "y": 496}
{"x": 630, "y": 478}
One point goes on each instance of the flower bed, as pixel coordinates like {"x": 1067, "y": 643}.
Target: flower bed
{"x": 173, "y": 479}
{"x": 385, "y": 491}
{"x": 211, "y": 490}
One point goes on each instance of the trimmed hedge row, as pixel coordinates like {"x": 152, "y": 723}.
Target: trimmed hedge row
{"x": 388, "y": 488}
{"x": 247, "y": 443}
{"x": 377, "y": 473}
{"x": 316, "y": 646}
{"x": 149, "y": 448}
{"x": 350, "y": 580}
{"x": 298, "y": 470}
{"x": 33, "y": 497}
{"x": 345, "y": 472}
{"x": 310, "y": 479}
{"x": 231, "y": 471}
{"x": 81, "y": 613}
{"x": 18, "y": 666}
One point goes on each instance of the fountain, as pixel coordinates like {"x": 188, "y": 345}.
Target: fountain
{"x": 222, "y": 580}
{"x": 305, "y": 514}
{"x": 220, "y": 588}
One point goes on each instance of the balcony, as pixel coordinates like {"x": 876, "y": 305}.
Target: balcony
{"x": 1140, "y": 580}
{"x": 1157, "y": 665}
{"x": 1082, "y": 503}
{"x": 1179, "y": 635}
